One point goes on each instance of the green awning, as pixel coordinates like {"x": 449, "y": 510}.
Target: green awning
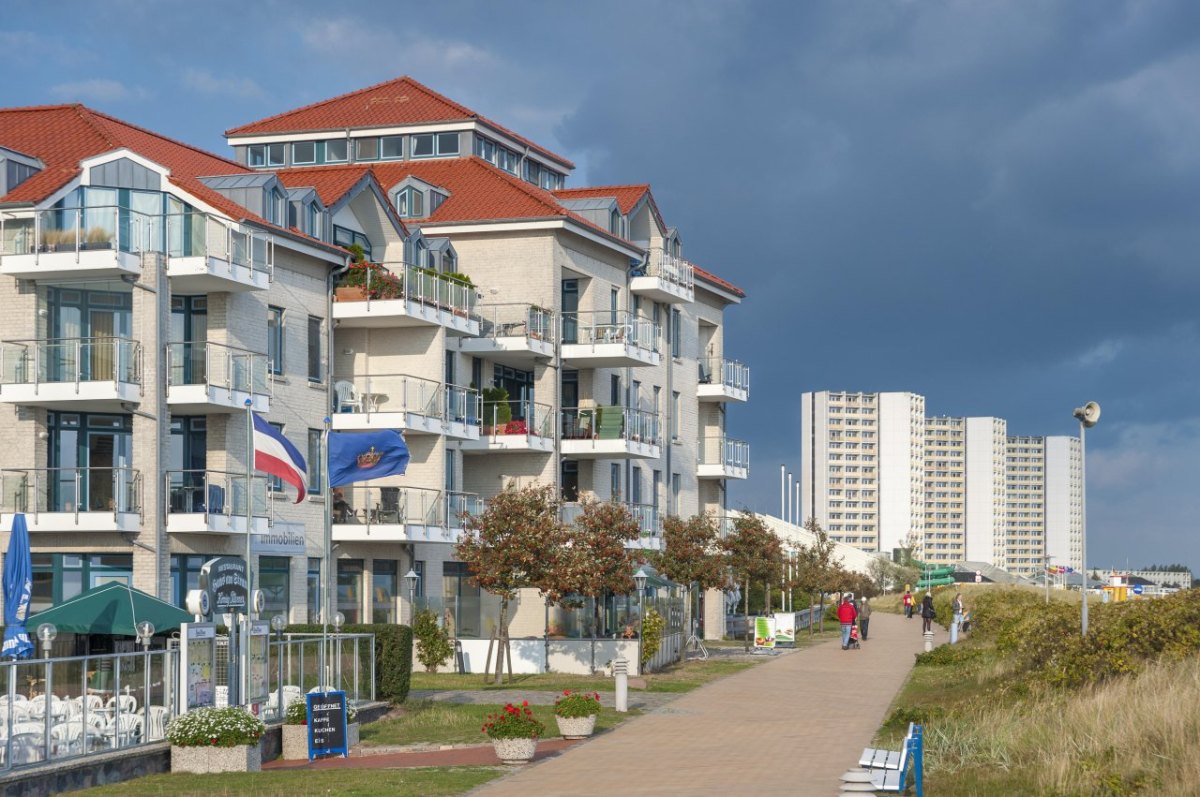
{"x": 113, "y": 609}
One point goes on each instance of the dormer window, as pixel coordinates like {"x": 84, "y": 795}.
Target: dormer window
{"x": 337, "y": 150}
{"x": 614, "y": 222}
{"x": 304, "y": 152}
{"x": 410, "y": 203}
{"x": 436, "y": 198}
{"x": 264, "y": 155}
{"x": 391, "y": 147}
{"x": 430, "y": 145}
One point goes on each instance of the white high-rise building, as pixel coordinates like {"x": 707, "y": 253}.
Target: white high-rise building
{"x": 985, "y": 488}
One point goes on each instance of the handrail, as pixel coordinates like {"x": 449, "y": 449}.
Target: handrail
{"x": 201, "y": 491}
{"x": 731, "y": 373}
{"x": 536, "y": 423}
{"x": 595, "y": 423}
{"x": 61, "y": 360}
{"x": 671, "y": 268}
{"x": 371, "y": 393}
{"x": 725, "y": 451}
{"x": 516, "y": 319}
{"x": 415, "y": 284}
{"x": 598, "y": 327}
{"x": 198, "y": 234}
{"x": 221, "y": 365}
{"x": 388, "y": 505}
{"x": 61, "y": 490}
{"x": 43, "y": 231}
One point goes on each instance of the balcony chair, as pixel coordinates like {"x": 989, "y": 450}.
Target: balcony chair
{"x": 389, "y": 505}
{"x": 348, "y": 399}
{"x": 216, "y": 499}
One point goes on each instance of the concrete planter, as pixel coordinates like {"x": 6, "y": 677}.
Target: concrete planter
{"x": 576, "y": 727}
{"x": 203, "y": 760}
{"x": 295, "y": 742}
{"x": 515, "y": 751}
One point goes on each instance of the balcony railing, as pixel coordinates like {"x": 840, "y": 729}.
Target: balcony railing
{"x": 77, "y": 490}
{"x": 606, "y": 326}
{"x": 78, "y": 230}
{"x": 404, "y": 393}
{"x": 70, "y": 360}
{"x": 460, "y": 505}
{"x": 671, "y": 269}
{"x": 528, "y": 418}
{"x": 516, "y": 320}
{"x": 648, "y": 516}
{"x": 197, "y": 234}
{"x": 610, "y": 423}
{"x": 417, "y": 506}
{"x": 207, "y": 363}
{"x": 383, "y": 281}
{"x": 214, "y": 492}
{"x": 729, "y": 373}
{"x": 725, "y": 451}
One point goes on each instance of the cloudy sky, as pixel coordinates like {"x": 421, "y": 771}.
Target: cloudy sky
{"x": 993, "y": 204}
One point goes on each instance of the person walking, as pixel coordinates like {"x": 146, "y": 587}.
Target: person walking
{"x": 908, "y": 603}
{"x": 864, "y": 617}
{"x": 956, "y": 609}
{"x": 927, "y": 613}
{"x": 846, "y": 616}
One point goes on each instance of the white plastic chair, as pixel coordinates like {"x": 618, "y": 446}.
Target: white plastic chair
{"x": 128, "y": 703}
{"x": 347, "y": 396}
{"x": 156, "y": 723}
{"x": 28, "y": 748}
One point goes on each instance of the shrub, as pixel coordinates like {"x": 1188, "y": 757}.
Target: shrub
{"x": 573, "y": 705}
{"x": 393, "y": 655}
{"x": 297, "y": 713}
{"x": 215, "y": 727}
{"x": 652, "y": 628}
{"x": 949, "y": 655}
{"x": 433, "y": 643}
{"x": 513, "y": 723}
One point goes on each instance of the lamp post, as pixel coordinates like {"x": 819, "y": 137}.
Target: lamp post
{"x": 1087, "y": 415}
{"x": 145, "y": 630}
{"x": 411, "y": 579}
{"x": 338, "y": 620}
{"x": 278, "y": 623}
{"x": 46, "y": 632}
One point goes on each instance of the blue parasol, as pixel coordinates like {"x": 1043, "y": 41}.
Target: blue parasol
{"x": 18, "y": 589}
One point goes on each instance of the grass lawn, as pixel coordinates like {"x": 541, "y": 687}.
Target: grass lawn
{"x": 431, "y": 782}
{"x": 430, "y": 722}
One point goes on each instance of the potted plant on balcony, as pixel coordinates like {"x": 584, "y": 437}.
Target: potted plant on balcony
{"x": 496, "y": 411}
{"x": 575, "y": 713}
{"x": 216, "y": 740}
{"x": 365, "y": 281}
{"x": 97, "y": 238}
{"x": 514, "y": 733}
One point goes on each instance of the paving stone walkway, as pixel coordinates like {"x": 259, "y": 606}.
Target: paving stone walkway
{"x": 637, "y": 699}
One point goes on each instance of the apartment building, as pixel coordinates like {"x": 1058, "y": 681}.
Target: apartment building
{"x": 521, "y": 332}
{"x": 151, "y": 292}
{"x": 954, "y": 489}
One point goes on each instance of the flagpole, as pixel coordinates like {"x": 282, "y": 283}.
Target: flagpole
{"x": 327, "y": 548}
{"x": 244, "y": 680}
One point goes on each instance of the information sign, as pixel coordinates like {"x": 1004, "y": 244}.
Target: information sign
{"x": 197, "y": 665}
{"x": 327, "y": 732}
{"x": 226, "y": 580}
{"x": 785, "y": 629}
{"x": 1138, "y": 589}
{"x": 257, "y": 643}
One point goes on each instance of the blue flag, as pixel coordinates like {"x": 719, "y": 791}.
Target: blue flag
{"x": 18, "y": 590}
{"x": 362, "y": 456}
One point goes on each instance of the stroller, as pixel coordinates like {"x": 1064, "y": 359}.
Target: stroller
{"x": 854, "y": 640}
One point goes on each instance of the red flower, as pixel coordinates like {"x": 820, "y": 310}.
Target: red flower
{"x": 566, "y": 691}
{"x": 524, "y": 702}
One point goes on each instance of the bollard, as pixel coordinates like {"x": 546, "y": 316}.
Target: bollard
{"x": 856, "y": 781}
{"x": 928, "y": 641}
{"x": 621, "y": 672}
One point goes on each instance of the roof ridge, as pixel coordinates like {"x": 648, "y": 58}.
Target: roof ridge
{"x": 89, "y": 118}
{"x": 27, "y": 108}
{"x": 604, "y": 187}
{"x": 319, "y": 103}
{"x": 162, "y": 137}
{"x": 528, "y": 188}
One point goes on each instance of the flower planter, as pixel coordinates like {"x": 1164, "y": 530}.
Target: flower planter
{"x": 295, "y": 742}
{"x": 202, "y": 760}
{"x": 515, "y": 751}
{"x": 576, "y": 727}
{"x": 351, "y": 294}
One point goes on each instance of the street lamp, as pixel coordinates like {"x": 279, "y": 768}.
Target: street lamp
{"x": 145, "y": 630}
{"x": 640, "y": 578}
{"x": 278, "y": 623}
{"x": 411, "y": 579}
{"x": 46, "y": 633}
{"x": 1087, "y": 415}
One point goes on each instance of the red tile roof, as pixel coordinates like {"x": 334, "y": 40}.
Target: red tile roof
{"x": 402, "y": 101}
{"x": 713, "y": 279}
{"x": 627, "y": 197}
{"x": 63, "y": 135}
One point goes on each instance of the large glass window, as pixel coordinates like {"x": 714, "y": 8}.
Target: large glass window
{"x": 313, "y": 585}
{"x": 90, "y": 456}
{"x": 275, "y": 339}
{"x": 258, "y": 155}
{"x": 304, "y": 152}
{"x": 185, "y": 575}
{"x": 349, "y": 589}
{"x": 315, "y": 460}
{"x": 366, "y": 149}
{"x": 410, "y": 203}
{"x": 275, "y": 581}
{"x": 314, "y": 348}
{"x": 423, "y": 145}
{"x": 345, "y": 237}
{"x": 391, "y": 147}
{"x": 60, "y": 577}
{"x": 336, "y": 150}
{"x": 383, "y": 591}
{"x": 447, "y": 143}
{"x": 461, "y": 599}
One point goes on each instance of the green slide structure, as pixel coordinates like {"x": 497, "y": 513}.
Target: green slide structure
{"x": 934, "y": 576}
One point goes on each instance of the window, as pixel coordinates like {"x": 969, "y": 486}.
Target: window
{"x": 313, "y": 582}
{"x": 274, "y": 483}
{"x": 461, "y": 598}
{"x": 366, "y": 149}
{"x": 435, "y": 201}
{"x": 614, "y": 479}
{"x": 676, "y": 331}
{"x": 614, "y": 301}
{"x": 315, "y": 476}
{"x": 349, "y": 589}
{"x": 259, "y": 155}
{"x": 275, "y": 339}
{"x": 185, "y": 575}
{"x": 674, "y": 415}
{"x": 508, "y": 160}
{"x": 314, "y": 348}
{"x": 655, "y": 488}
{"x": 447, "y": 143}
{"x": 614, "y": 389}
{"x": 676, "y": 488}
{"x": 391, "y": 147}
{"x": 410, "y": 203}
{"x": 304, "y": 152}
{"x": 345, "y": 237}
{"x": 314, "y": 220}
{"x": 60, "y": 577}
{"x": 422, "y": 145}
{"x": 614, "y": 222}
{"x": 485, "y": 149}
{"x": 427, "y": 145}
{"x": 275, "y": 581}
{"x": 336, "y": 150}
{"x": 418, "y": 590}
{"x": 383, "y": 591}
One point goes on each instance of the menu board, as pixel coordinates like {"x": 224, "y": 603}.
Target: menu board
{"x": 257, "y": 644}
{"x": 327, "y": 732}
{"x": 197, "y": 665}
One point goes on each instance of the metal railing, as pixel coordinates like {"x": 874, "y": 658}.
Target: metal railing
{"x": 207, "y": 363}
{"x": 299, "y": 663}
{"x": 529, "y": 418}
{"x": 730, "y": 373}
{"x": 610, "y": 423}
{"x": 77, "y": 230}
{"x": 65, "y": 708}
{"x": 404, "y": 393}
{"x": 725, "y": 451}
{"x": 516, "y": 320}
{"x": 598, "y": 327}
{"x": 673, "y": 269}
{"x": 383, "y": 281}
{"x": 67, "y": 360}
{"x": 415, "y": 506}
{"x": 648, "y": 516}
{"x": 726, "y": 526}
{"x": 214, "y": 492}
{"x": 77, "y": 490}
{"x": 198, "y": 234}
{"x": 460, "y": 505}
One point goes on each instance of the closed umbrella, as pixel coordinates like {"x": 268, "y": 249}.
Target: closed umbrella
{"x": 18, "y": 590}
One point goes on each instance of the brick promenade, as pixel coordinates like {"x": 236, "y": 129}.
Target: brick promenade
{"x": 791, "y": 727}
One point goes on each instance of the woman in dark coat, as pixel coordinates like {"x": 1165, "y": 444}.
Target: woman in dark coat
{"x": 927, "y": 613}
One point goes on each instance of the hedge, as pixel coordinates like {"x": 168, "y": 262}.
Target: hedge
{"x": 393, "y": 655}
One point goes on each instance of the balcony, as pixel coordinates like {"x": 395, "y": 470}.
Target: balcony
{"x": 206, "y": 254}
{"x": 408, "y": 403}
{"x": 72, "y": 499}
{"x": 723, "y": 458}
{"x": 214, "y": 502}
{"x": 648, "y": 518}
{"x": 516, "y": 335}
{"x": 374, "y": 295}
{"x": 72, "y": 374}
{"x": 665, "y": 278}
{"x": 102, "y": 242}
{"x": 400, "y": 514}
{"x": 723, "y": 380}
{"x": 610, "y": 433}
{"x": 530, "y": 431}
{"x": 608, "y": 339}
{"x": 205, "y": 378}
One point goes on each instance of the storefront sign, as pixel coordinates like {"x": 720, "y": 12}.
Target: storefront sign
{"x": 282, "y": 539}
{"x": 327, "y": 733}
{"x": 226, "y": 580}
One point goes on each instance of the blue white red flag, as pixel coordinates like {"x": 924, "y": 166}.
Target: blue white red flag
{"x": 274, "y": 454}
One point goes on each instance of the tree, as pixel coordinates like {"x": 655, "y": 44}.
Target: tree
{"x": 815, "y": 568}
{"x": 596, "y": 559}
{"x": 691, "y": 553}
{"x": 754, "y": 554}
{"x": 515, "y": 543}
{"x": 882, "y": 572}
